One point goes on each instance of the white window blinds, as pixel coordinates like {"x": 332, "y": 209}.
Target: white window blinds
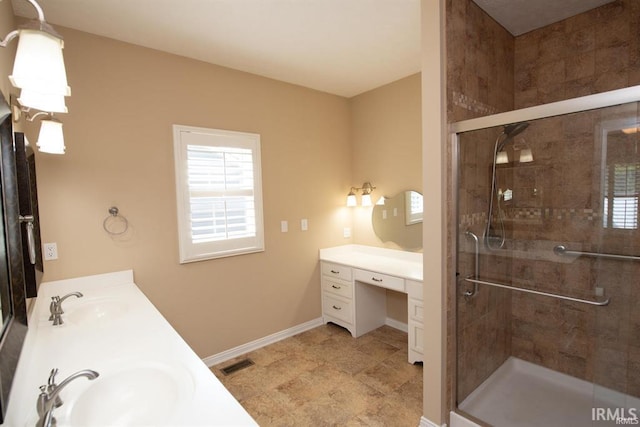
{"x": 622, "y": 184}
{"x": 219, "y": 193}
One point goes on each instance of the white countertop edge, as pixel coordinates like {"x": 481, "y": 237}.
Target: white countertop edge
{"x": 394, "y": 262}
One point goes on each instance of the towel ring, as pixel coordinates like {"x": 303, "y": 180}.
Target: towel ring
{"x": 115, "y": 224}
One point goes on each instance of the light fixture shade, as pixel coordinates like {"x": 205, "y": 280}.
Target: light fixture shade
{"x": 42, "y": 101}
{"x": 39, "y": 65}
{"x": 526, "y": 155}
{"x": 51, "y": 139}
{"x": 502, "y": 158}
{"x": 366, "y": 200}
{"x": 351, "y": 200}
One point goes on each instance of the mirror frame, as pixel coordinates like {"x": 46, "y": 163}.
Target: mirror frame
{"x": 14, "y": 330}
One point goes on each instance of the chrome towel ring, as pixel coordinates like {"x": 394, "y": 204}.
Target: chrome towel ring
{"x": 115, "y": 224}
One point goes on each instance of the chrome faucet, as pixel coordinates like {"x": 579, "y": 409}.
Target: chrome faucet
{"x": 49, "y": 397}
{"x": 56, "y": 307}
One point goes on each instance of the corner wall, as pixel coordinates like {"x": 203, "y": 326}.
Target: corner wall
{"x": 118, "y": 134}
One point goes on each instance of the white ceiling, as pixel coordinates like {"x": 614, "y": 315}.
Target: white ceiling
{"x": 344, "y": 47}
{"x": 522, "y": 16}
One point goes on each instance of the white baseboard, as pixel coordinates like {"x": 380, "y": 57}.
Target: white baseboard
{"x": 426, "y": 423}
{"x": 261, "y": 342}
{"x": 396, "y": 324}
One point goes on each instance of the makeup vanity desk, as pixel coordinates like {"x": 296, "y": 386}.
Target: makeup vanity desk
{"x": 354, "y": 280}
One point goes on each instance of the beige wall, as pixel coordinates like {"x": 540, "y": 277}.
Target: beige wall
{"x": 436, "y": 251}
{"x": 118, "y": 135}
{"x": 119, "y": 152}
{"x": 386, "y": 141}
{"x": 7, "y": 24}
{"x": 386, "y": 135}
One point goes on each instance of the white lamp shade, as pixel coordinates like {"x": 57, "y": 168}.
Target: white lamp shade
{"x": 351, "y": 200}
{"x": 366, "y": 200}
{"x": 526, "y": 155}
{"x": 42, "y": 101}
{"x": 51, "y": 139}
{"x": 502, "y": 158}
{"x": 39, "y": 65}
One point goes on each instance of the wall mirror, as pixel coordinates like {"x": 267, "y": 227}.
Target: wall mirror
{"x": 399, "y": 220}
{"x": 12, "y": 289}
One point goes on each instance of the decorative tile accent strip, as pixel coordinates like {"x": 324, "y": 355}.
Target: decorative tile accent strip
{"x": 468, "y": 220}
{"x": 468, "y": 103}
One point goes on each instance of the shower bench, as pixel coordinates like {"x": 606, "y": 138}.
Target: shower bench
{"x": 354, "y": 281}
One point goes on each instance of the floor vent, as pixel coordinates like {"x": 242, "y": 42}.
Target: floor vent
{"x": 244, "y": 363}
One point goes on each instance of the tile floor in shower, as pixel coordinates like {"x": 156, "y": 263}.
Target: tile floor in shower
{"x": 325, "y": 377}
{"x": 522, "y": 394}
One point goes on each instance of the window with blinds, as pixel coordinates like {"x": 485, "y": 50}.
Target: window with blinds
{"x": 622, "y": 189}
{"x": 218, "y": 185}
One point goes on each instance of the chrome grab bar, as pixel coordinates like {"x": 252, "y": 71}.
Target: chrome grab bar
{"x": 546, "y": 294}
{"x": 562, "y": 250}
{"x": 477, "y": 263}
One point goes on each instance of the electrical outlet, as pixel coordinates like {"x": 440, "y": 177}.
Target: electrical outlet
{"x": 50, "y": 251}
{"x": 304, "y": 225}
{"x": 284, "y": 226}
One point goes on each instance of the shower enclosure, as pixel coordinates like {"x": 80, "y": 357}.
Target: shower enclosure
{"x": 548, "y": 264}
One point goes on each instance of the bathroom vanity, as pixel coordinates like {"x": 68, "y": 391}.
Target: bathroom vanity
{"x": 147, "y": 374}
{"x": 354, "y": 283}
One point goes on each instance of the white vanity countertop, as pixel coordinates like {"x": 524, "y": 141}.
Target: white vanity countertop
{"x": 407, "y": 265}
{"x": 148, "y": 373}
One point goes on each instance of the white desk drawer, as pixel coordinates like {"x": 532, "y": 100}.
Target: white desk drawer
{"x": 336, "y": 270}
{"x": 377, "y": 279}
{"x": 337, "y": 307}
{"x": 338, "y": 287}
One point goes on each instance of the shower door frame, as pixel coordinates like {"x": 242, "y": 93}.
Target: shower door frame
{"x": 575, "y": 105}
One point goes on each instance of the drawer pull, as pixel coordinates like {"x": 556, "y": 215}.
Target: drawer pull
{"x": 336, "y": 287}
{"x": 335, "y": 271}
{"x": 376, "y": 280}
{"x": 337, "y": 308}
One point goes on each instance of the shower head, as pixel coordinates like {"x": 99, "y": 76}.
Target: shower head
{"x": 511, "y": 131}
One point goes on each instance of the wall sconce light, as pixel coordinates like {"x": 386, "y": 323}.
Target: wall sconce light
{"x": 38, "y": 68}
{"x": 366, "y": 188}
{"x": 502, "y": 158}
{"x": 526, "y": 155}
{"x": 51, "y": 139}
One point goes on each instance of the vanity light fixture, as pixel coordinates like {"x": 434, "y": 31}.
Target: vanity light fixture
{"x": 51, "y": 139}
{"x": 38, "y": 68}
{"x": 366, "y": 188}
{"x": 502, "y": 158}
{"x": 526, "y": 155}
{"x": 351, "y": 198}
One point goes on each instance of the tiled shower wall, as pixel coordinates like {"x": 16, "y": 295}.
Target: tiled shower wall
{"x": 593, "y": 52}
{"x": 490, "y": 71}
{"x": 479, "y": 82}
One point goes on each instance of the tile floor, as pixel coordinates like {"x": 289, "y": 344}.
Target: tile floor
{"x": 325, "y": 377}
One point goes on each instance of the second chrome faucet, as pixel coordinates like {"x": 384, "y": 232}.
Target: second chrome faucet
{"x": 56, "y": 307}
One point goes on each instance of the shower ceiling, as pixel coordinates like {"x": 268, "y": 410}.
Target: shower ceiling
{"x": 522, "y": 16}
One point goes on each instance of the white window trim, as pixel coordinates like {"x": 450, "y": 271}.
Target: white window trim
{"x": 192, "y": 252}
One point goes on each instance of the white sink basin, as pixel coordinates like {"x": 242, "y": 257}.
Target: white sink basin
{"x": 142, "y": 394}
{"x": 95, "y": 310}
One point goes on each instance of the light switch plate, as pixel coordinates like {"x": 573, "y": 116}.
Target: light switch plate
{"x": 284, "y": 226}
{"x": 304, "y": 225}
